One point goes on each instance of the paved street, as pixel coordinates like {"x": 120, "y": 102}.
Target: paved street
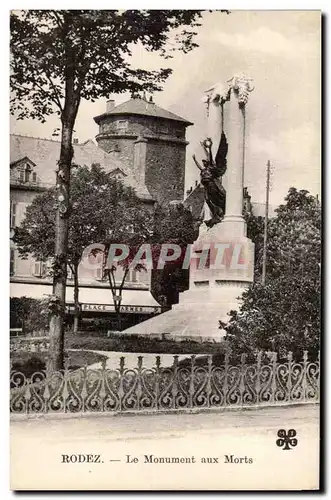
{"x": 38, "y": 443}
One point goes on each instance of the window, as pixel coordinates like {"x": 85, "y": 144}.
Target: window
{"x": 122, "y": 124}
{"x": 13, "y": 210}
{"x": 99, "y": 273}
{"x": 27, "y": 173}
{"x": 39, "y": 269}
{"x": 70, "y": 274}
{"x": 131, "y": 277}
{"x": 163, "y": 130}
{"x": 12, "y": 262}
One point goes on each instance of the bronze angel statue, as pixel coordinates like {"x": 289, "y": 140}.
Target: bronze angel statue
{"x": 211, "y": 178}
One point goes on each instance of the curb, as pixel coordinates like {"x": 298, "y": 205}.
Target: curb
{"x": 16, "y": 417}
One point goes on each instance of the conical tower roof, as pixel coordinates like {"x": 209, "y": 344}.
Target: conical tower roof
{"x": 140, "y": 106}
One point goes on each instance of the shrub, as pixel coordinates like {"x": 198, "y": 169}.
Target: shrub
{"x": 29, "y": 314}
{"x": 29, "y": 365}
{"x": 139, "y": 344}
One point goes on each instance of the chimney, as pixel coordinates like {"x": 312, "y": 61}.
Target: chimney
{"x": 75, "y": 141}
{"x": 110, "y": 105}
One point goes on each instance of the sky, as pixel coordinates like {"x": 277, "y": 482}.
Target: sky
{"x": 280, "y": 51}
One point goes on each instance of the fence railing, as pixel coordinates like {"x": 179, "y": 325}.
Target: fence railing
{"x": 193, "y": 383}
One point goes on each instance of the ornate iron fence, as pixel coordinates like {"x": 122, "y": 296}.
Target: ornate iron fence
{"x": 195, "y": 383}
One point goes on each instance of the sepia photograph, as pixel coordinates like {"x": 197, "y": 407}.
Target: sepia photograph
{"x": 165, "y": 250}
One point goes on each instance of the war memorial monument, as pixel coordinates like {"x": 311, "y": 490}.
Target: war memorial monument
{"x": 222, "y": 257}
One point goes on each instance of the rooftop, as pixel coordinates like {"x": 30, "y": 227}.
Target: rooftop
{"x": 45, "y": 153}
{"x": 140, "y": 106}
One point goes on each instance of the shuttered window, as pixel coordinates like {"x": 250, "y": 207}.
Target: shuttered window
{"x": 12, "y": 262}
{"x": 13, "y": 211}
{"x": 39, "y": 269}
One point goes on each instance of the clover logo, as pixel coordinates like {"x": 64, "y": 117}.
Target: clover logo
{"x": 286, "y": 439}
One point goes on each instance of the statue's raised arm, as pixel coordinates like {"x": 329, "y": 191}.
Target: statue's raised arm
{"x": 197, "y": 163}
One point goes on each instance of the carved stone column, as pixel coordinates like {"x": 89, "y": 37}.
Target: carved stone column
{"x": 214, "y": 99}
{"x": 226, "y": 109}
{"x": 240, "y": 86}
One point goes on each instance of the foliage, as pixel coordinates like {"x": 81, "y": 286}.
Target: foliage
{"x": 104, "y": 210}
{"x": 255, "y": 230}
{"x": 154, "y": 226}
{"x": 100, "y": 205}
{"x": 36, "y": 234}
{"x": 62, "y": 56}
{"x": 95, "y": 196}
{"x": 284, "y": 315}
{"x": 29, "y": 314}
{"x": 29, "y": 363}
{"x": 173, "y": 224}
{"x": 59, "y": 57}
{"x": 139, "y": 344}
{"x": 294, "y": 236}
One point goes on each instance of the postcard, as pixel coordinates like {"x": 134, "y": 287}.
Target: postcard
{"x": 165, "y": 250}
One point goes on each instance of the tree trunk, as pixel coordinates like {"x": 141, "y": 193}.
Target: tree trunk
{"x": 56, "y": 327}
{"x": 68, "y": 118}
{"x": 119, "y": 318}
{"x": 76, "y": 322}
{"x": 76, "y": 299}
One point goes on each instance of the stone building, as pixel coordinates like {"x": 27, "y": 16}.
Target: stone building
{"x": 150, "y": 141}
{"x": 139, "y": 143}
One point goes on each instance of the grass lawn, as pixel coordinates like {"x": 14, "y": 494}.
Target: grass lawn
{"x": 140, "y": 344}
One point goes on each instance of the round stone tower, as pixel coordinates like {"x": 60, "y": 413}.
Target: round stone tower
{"x": 150, "y": 141}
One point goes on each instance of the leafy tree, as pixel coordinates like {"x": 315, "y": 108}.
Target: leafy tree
{"x": 173, "y": 224}
{"x": 255, "y": 229}
{"x": 29, "y": 314}
{"x": 104, "y": 211}
{"x": 100, "y": 205}
{"x": 294, "y": 237}
{"x": 139, "y": 225}
{"x": 60, "y": 57}
{"x": 284, "y": 314}
{"x": 132, "y": 227}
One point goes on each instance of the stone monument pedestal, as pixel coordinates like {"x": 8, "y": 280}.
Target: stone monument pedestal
{"x": 216, "y": 286}
{"x": 221, "y": 268}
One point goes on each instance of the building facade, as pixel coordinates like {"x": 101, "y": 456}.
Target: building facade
{"x": 140, "y": 159}
{"x": 150, "y": 141}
